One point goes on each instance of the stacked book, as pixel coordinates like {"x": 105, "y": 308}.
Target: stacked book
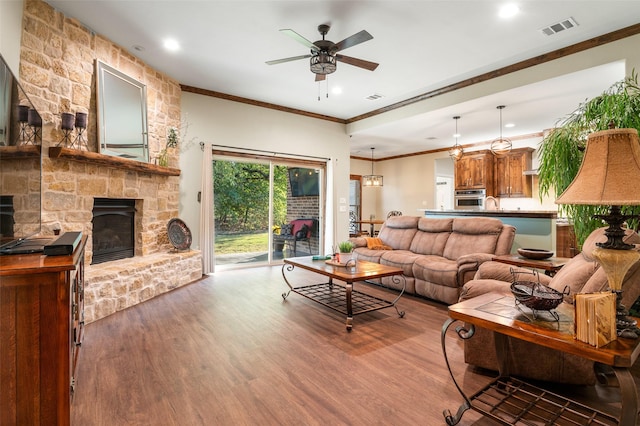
{"x": 595, "y": 318}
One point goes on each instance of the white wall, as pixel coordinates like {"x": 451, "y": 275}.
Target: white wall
{"x": 11, "y": 32}
{"x": 221, "y": 122}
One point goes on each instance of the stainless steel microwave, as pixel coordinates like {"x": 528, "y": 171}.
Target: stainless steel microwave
{"x": 470, "y": 199}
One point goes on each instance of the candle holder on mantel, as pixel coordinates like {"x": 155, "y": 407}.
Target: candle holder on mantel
{"x": 35, "y": 123}
{"x": 23, "y": 121}
{"x": 81, "y": 125}
{"x": 67, "y": 127}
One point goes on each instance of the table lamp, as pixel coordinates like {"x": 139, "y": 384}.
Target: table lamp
{"x": 607, "y": 176}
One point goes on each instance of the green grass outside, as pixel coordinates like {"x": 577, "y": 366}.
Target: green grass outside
{"x": 241, "y": 243}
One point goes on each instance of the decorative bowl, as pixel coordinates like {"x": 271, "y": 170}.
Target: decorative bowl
{"x": 537, "y": 254}
{"x": 537, "y": 296}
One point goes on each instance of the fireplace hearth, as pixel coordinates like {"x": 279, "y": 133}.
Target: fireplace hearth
{"x": 113, "y": 229}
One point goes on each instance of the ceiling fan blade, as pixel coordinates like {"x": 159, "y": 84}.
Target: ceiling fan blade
{"x": 297, "y": 37}
{"x": 320, "y": 77}
{"x": 357, "y": 62}
{"x": 293, "y": 58}
{"x": 351, "y": 41}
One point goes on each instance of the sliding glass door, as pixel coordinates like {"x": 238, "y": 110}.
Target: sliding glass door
{"x": 261, "y": 208}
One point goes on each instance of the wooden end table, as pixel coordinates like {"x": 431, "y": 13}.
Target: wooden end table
{"x": 344, "y": 299}
{"x": 512, "y": 401}
{"x": 549, "y": 266}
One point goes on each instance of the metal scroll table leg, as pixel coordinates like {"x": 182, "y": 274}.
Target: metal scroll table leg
{"x": 349, "y": 290}
{"x": 463, "y": 334}
{"x": 286, "y": 267}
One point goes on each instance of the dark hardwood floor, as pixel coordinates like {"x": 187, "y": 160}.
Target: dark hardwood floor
{"x": 227, "y": 350}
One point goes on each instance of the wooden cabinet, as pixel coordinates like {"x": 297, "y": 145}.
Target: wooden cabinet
{"x": 475, "y": 171}
{"x": 41, "y": 324}
{"x": 509, "y": 178}
{"x": 566, "y": 241}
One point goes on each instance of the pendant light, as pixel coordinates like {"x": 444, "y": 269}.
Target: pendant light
{"x": 456, "y": 151}
{"x": 372, "y": 180}
{"x": 500, "y": 146}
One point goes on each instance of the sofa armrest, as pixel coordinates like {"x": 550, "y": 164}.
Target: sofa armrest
{"x": 475, "y": 288}
{"x": 474, "y": 258}
{"x": 358, "y": 241}
{"x": 502, "y": 272}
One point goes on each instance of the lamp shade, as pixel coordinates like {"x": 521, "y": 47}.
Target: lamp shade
{"x": 609, "y": 171}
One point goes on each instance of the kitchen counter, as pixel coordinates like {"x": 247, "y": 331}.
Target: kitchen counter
{"x": 539, "y": 214}
{"x": 534, "y": 229}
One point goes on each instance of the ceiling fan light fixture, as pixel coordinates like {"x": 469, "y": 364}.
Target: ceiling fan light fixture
{"x": 456, "y": 150}
{"x": 323, "y": 63}
{"x": 372, "y": 180}
{"x": 501, "y": 146}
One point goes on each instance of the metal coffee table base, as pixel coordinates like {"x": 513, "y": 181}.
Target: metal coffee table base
{"x": 343, "y": 298}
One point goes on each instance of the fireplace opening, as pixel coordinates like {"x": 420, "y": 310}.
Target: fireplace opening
{"x": 113, "y": 229}
{"x": 7, "y": 221}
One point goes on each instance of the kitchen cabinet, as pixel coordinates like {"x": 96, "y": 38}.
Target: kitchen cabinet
{"x": 41, "y": 325}
{"x": 510, "y": 180}
{"x": 475, "y": 171}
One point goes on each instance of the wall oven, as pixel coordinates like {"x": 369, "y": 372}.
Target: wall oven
{"x": 469, "y": 199}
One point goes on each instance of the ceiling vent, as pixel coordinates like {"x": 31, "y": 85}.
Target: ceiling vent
{"x": 565, "y": 24}
{"x": 374, "y": 97}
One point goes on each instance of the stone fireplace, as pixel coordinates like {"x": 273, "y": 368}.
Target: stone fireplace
{"x": 57, "y": 71}
{"x": 147, "y": 195}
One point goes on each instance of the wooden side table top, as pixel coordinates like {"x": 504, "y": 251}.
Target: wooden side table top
{"x": 550, "y": 265}
{"x": 497, "y": 312}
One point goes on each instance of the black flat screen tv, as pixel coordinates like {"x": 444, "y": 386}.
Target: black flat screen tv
{"x": 304, "y": 182}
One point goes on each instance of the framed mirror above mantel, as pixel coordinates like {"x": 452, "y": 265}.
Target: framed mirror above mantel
{"x": 122, "y": 114}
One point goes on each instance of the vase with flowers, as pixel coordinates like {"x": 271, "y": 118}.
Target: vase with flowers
{"x": 168, "y": 151}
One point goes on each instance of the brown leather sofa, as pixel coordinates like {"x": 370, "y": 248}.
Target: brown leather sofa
{"x": 437, "y": 255}
{"x": 581, "y": 274}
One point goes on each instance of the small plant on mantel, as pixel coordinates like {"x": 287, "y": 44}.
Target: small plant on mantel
{"x": 172, "y": 142}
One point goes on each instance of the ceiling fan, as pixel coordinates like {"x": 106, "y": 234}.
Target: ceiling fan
{"x": 324, "y": 53}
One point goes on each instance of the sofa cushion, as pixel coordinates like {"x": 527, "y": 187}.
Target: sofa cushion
{"x": 473, "y": 235}
{"x": 363, "y": 253}
{"x": 403, "y": 259}
{"x": 581, "y": 274}
{"x": 398, "y": 231}
{"x": 437, "y": 270}
{"x": 432, "y": 236}
{"x": 574, "y": 275}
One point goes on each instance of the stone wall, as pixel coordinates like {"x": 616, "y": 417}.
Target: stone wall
{"x": 57, "y": 70}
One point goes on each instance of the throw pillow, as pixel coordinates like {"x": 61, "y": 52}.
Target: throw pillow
{"x": 374, "y": 243}
{"x": 302, "y": 233}
{"x": 286, "y": 229}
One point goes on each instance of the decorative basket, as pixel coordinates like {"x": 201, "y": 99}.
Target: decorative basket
{"x": 534, "y": 295}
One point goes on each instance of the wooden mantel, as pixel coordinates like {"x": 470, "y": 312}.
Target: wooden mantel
{"x": 110, "y": 161}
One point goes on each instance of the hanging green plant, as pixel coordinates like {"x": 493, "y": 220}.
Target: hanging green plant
{"x": 561, "y": 151}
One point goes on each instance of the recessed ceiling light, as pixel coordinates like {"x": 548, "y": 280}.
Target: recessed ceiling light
{"x": 336, "y": 90}
{"x": 509, "y": 125}
{"x": 171, "y": 44}
{"x": 508, "y": 10}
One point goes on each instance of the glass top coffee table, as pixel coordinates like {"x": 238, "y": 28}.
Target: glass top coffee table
{"x": 342, "y": 297}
